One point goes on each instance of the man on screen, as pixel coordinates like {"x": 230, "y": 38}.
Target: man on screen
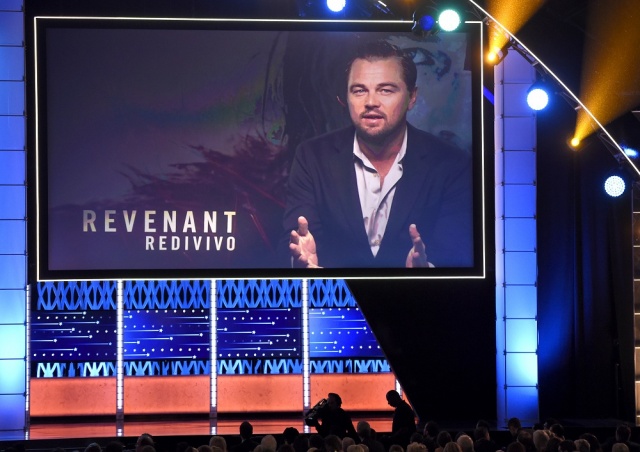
{"x": 380, "y": 193}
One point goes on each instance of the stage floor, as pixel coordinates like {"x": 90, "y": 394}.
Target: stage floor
{"x": 52, "y": 430}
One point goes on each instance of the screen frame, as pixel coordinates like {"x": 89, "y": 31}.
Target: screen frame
{"x": 37, "y": 137}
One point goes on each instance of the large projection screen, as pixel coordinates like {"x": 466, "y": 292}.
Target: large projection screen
{"x": 163, "y": 149}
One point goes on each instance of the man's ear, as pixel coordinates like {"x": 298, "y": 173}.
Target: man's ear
{"x": 341, "y": 102}
{"x": 412, "y": 98}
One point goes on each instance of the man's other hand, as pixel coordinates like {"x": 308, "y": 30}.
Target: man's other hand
{"x": 302, "y": 246}
{"x": 417, "y": 256}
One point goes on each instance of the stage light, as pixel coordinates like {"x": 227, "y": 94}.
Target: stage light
{"x": 630, "y": 152}
{"x": 495, "y": 56}
{"x": 424, "y": 22}
{"x": 574, "y": 142}
{"x": 538, "y": 96}
{"x": 449, "y": 20}
{"x": 336, "y": 6}
{"x": 614, "y": 186}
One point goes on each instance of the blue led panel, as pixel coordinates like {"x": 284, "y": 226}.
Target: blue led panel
{"x": 524, "y": 402}
{"x": 73, "y": 336}
{"x": 521, "y": 136}
{"x": 517, "y": 96}
{"x": 259, "y": 333}
{"x": 13, "y": 376}
{"x": 12, "y": 414}
{"x": 521, "y": 369}
{"x": 13, "y": 132}
{"x": 11, "y": 29}
{"x": 12, "y": 200}
{"x": 522, "y": 335}
{"x": 341, "y": 333}
{"x": 12, "y": 167}
{"x": 13, "y": 63}
{"x": 520, "y": 201}
{"x": 13, "y": 233}
{"x": 174, "y": 334}
{"x": 520, "y": 167}
{"x": 521, "y": 267}
{"x": 520, "y": 234}
{"x": 12, "y": 5}
{"x": 522, "y": 301}
{"x": 13, "y": 305}
{"x": 13, "y": 272}
{"x": 14, "y": 335}
{"x": 12, "y": 98}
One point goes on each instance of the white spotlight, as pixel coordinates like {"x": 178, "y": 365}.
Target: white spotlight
{"x": 614, "y": 186}
{"x": 336, "y": 5}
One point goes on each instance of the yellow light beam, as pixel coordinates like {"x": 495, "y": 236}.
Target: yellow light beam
{"x": 512, "y": 15}
{"x": 560, "y": 83}
{"x": 609, "y": 86}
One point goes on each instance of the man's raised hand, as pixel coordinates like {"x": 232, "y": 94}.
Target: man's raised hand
{"x": 302, "y": 246}
{"x": 417, "y": 256}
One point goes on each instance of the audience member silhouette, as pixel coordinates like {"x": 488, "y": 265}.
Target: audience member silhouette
{"x": 404, "y": 422}
{"x": 346, "y": 442}
{"x": 144, "y": 440}
{"x": 553, "y": 445}
{"x": 335, "y": 420}
{"x": 289, "y": 435}
{"x": 367, "y": 437}
{"x": 333, "y": 443}
{"x": 514, "y": 425}
{"x": 582, "y": 445}
{"x": 430, "y": 434}
{"x": 451, "y": 446}
{"x": 594, "y": 443}
{"x": 444, "y": 438}
{"x": 269, "y": 443}
{"x": 218, "y": 441}
{"x": 482, "y": 440}
{"x": 526, "y": 439}
{"x": 465, "y": 442}
{"x": 247, "y": 443}
{"x": 301, "y": 443}
{"x": 622, "y": 435}
{"x": 540, "y": 440}
{"x": 416, "y": 447}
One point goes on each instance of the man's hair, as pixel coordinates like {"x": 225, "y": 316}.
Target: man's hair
{"x": 337, "y": 398}
{"x": 381, "y": 50}
{"x": 246, "y": 430}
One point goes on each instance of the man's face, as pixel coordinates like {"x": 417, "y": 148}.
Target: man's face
{"x": 378, "y": 99}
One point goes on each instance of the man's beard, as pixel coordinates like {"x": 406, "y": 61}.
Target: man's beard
{"x": 378, "y": 136}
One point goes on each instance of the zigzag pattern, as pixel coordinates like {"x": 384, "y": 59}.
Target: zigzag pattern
{"x": 264, "y": 293}
{"x": 330, "y": 293}
{"x": 76, "y": 295}
{"x": 166, "y": 368}
{"x": 166, "y": 295}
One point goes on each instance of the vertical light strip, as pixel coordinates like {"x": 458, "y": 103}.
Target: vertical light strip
{"x": 516, "y": 256}
{"x": 13, "y": 241}
{"x": 636, "y": 293}
{"x": 213, "y": 357}
{"x": 306, "y": 385}
{"x": 119, "y": 358}
{"x": 27, "y": 382}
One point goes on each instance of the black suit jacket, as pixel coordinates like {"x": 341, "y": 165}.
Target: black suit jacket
{"x": 434, "y": 192}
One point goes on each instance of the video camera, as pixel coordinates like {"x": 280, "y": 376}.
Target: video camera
{"x": 311, "y": 417}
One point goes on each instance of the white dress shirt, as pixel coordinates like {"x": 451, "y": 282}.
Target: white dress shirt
{"x": 376, "y": 199}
